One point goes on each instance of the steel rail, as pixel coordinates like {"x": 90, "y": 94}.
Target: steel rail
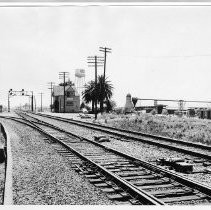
{"x": 174, "y": 176}
{"x": 103, "y": 129}
{"x": 131, "y": 132}
{"x": 138, "y": 194}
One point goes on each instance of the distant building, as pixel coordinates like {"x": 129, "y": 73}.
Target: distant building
{"x": 203, "y": 113}
{"x": 159, "y": 108}
{"x": 171, "y": 110}
{"x": 72, "y": 99}
{"x": 129, "y": 107}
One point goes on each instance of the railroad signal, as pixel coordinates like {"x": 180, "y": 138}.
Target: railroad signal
{"x": 18, "y": 93}
{"x": 10, "y": 92}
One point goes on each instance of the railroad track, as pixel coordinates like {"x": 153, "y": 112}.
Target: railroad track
{"x": 201, "y": 153}
{"x": 124, "y": 177}
{"x": 119, "y": 191}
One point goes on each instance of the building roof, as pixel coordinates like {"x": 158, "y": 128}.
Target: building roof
{"x": 59, "y": 90}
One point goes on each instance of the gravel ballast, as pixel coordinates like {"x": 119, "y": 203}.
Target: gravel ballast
{"x": 42, "y": 176}
{"x": 137, "y": 149}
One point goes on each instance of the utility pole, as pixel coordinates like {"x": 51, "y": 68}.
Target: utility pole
{"x": 9, "y": 93}
{"x": 63, "y": 75}
{"x": 95, "y": 61}
{"x": 8, "y": 103}
{"x": 32, "y": 102}
{"x": 29, "y": 102}
{"x": 51, "y": 88}
{"x": 35, "y": 104}
{"x": 41, "y": 101}
{"x": 105, "y": 50}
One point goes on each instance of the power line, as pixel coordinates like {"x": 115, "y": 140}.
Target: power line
{"x": 165, "y": 56}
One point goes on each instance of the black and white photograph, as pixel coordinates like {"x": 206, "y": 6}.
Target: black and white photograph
{"x": 105, "y": 103}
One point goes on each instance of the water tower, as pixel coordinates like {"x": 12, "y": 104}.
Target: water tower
{"x": 80, "y": 80}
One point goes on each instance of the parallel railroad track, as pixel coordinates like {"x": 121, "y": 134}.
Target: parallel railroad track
{"x": 194, "y": 149}
{"x": 135, "y": 180}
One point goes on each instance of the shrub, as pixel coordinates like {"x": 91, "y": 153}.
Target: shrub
{"x": 153, "y": 112}
{"x": 164, "y": 112}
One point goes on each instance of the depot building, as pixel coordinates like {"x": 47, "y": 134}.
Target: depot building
{"x": 72, "y": 99}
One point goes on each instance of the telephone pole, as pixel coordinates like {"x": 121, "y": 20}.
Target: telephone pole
{"x": 51, "y": 88}
{"x": 32, "y": 102}
{"x": 95, "y": 61}
{"x": 35, "y": 104}
{"x": 29, "y": 102}
{"x": 105, "y": 50}
{"x": 8, "y": 103}
{"x": 63, "y": 75}
{"x": 9, "y": 93}
{"x": 41, "y": 101}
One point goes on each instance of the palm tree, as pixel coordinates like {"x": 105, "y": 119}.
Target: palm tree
{"x": 93, "y": 93}
{"x": 88, "y": 93}
{"x": 104, "y": 91}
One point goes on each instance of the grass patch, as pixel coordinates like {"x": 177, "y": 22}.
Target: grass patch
{"x": 189, "y": 129}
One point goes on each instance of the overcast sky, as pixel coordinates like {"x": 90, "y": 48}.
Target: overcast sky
{"x": 157, "y": 51}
